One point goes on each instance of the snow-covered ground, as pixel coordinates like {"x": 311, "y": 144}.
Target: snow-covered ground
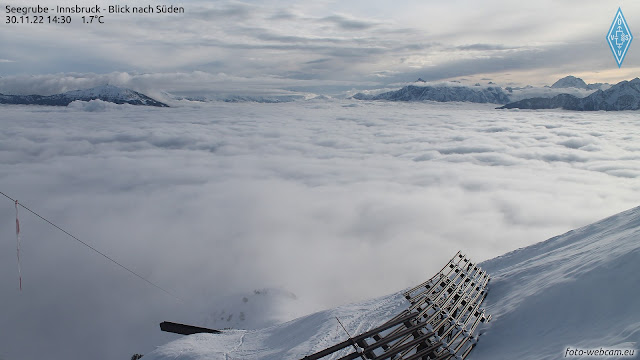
{"x": 575, "y": 291}
{"x": 579, "y": 290}
{"x": 329, "y": 202}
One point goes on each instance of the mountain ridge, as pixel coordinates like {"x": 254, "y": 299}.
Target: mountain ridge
{"x": 489, "y": 94}
{"x": 108, "y": 93}
{"x": 624, "y": 95}
{"x": 571, "y": 81}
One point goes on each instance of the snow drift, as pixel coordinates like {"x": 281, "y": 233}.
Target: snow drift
{"x": 578, "y": 290}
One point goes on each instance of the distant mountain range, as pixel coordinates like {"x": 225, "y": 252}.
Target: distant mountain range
{"x": 575, "y": 82}
{"x": 489, "y": 94}
{"x": 107, "y": 93}
{"x": 624, "y": 95}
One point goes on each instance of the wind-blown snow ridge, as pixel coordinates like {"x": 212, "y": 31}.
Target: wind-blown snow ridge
{"x": 107, "y": 93}
{"x": 577, "y": 290}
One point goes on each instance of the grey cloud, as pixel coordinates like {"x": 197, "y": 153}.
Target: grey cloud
{"x": 266, "y": 34}
{"x": 524, "y": 58}
{"x": 481, "y": 47}
{"x": 233, "y": 11}
{"x": 318, "y": 61}
{"x": 349, "y": 24}
{"x": 283, "y": 15}
{"x": 196, "y": 83}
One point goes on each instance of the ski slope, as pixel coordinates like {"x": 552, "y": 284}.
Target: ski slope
{"x": 578, "y": 290}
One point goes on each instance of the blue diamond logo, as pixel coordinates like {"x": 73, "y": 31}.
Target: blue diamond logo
{"x": 619, "y": 37}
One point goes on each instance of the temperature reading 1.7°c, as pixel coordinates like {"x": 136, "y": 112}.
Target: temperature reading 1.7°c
{"x": 93, "y": 19}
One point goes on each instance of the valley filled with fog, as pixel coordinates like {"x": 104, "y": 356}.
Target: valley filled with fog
{"x": 331, "y": 201}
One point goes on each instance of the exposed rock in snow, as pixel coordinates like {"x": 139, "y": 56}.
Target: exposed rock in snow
{"x": 260, "y": 309}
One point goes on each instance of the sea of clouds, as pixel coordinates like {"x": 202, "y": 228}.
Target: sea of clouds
{"x": 331, "y": 200}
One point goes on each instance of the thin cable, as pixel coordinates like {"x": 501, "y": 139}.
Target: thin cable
{"x": 353, "y": 342}
{"x": 92, "y": 248}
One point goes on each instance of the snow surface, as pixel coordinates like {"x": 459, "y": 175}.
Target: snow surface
{"x": 292, "y": 340}
{"x": 577, "y": 290}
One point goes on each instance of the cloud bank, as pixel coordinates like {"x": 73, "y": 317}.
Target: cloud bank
{"x": 334, "y": 201}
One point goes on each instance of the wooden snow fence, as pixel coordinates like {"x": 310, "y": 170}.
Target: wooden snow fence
{"x": 439, "y": 324}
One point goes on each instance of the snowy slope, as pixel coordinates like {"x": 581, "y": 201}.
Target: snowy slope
{"x": 108, "y": 93}
{"x": 576, "y": 290}
{"x": 112, "y": 94}
{"x": 625, "y": 95}
{"x": 292, "y": 340}
{"x": 575, "y": 82}
{"x": 489, "y": 94}
{"x": 569, "y": 82}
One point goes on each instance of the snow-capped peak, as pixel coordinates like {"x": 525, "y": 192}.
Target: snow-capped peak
{"x": 112, "y": 93}
{"x": 570, "y": 82}
{"x": 103, "y": 90}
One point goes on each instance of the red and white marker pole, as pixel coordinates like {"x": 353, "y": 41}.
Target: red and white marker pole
{"x": 18, "y": 246}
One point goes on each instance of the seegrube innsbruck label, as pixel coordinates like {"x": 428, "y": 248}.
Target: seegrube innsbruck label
{"x": 15, "y": 14}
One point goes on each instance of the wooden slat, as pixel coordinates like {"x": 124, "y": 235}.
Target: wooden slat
{"x": 370, "y": 333}
{"x": 458, "y": 290}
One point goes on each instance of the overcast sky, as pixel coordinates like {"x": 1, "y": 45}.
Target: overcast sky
{"x": 324, "y": 46}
